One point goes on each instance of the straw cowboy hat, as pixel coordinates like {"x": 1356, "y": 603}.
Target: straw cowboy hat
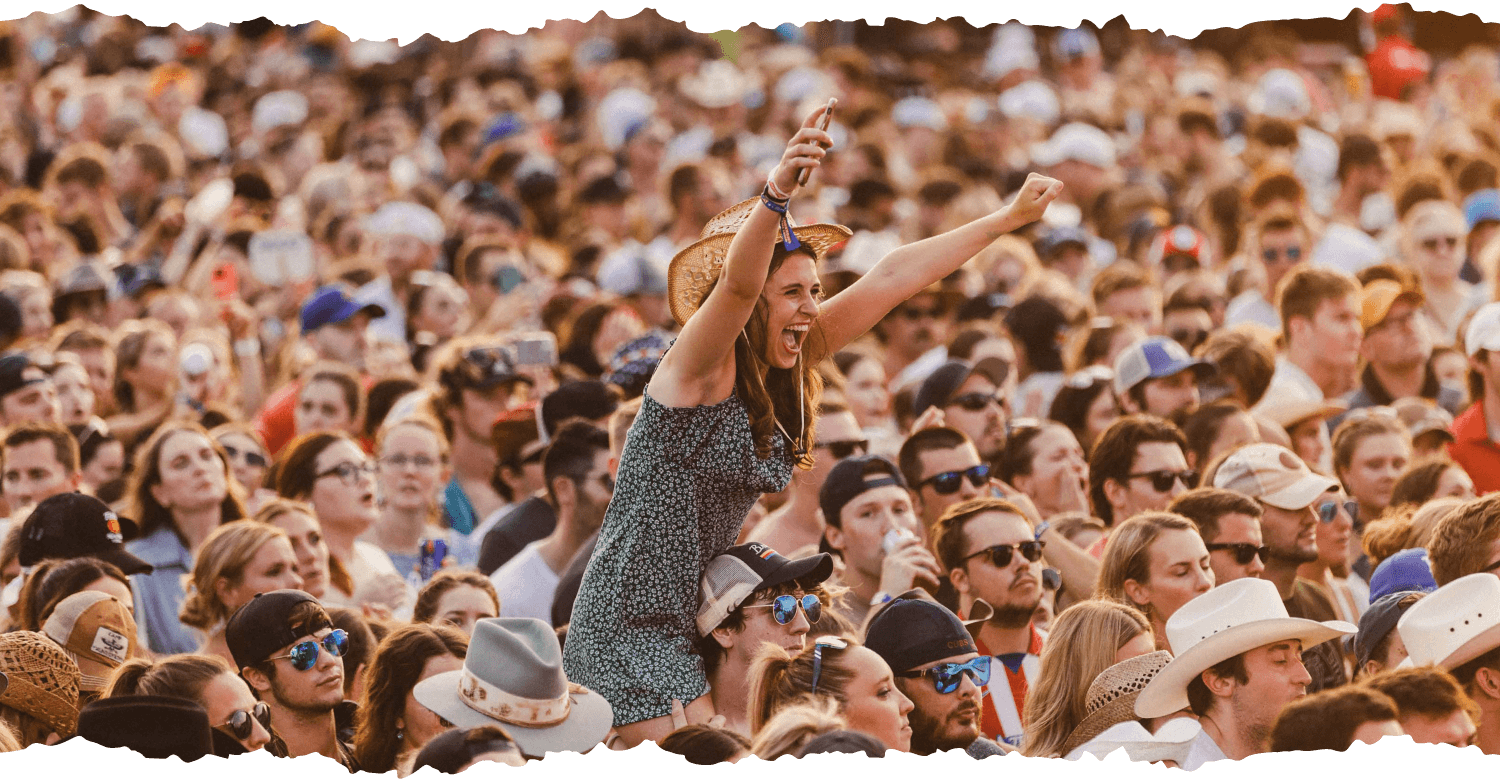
{"x": 1458, "y": 623}
{"x": 1111, "y": 697}
{"x": 695, "y": 269}
{"x": 1229, "y": 620}
{"x": 513, "y": 676}
{"x": 38, "y": 677}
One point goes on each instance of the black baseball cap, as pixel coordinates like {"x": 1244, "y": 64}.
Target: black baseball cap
{"x": 13, "y": 373}
{"x": 1377, "y": 622}
{"x": 910, "y": 632}
{"x": 263, "y": 625}
{"x": 155, "y": 727}
{"x": 938, "y": 389}
{"x": 775, "y": 569}
{"x": 451, "y": 751}
{"x": 847, "y": 480}
{"x": 74, "y": 525}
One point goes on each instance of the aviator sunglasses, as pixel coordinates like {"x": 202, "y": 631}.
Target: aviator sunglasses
{"x": 305, "y": 654}
{"x": 947, "y": 677}
{"x": 784, "y": 608}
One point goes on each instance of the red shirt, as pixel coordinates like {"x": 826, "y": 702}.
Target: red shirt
{"x": 1474, "y": 451}
{"x": 1004, "y": 701}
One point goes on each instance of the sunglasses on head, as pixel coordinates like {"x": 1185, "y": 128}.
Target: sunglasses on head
{"x": 253, "y": 458}
{"x": 1433, "y": 243}
{"x": 1292, "y": 254}
{"x": 784, "y": 608}
{"x": 974, "y": 402}
{"x": 946, "y": 483}
{"x": 844, "y": 448}
{"x": 1329, "y": 510}
{"x": 947, "y": 677}
{"x": 240, "y": 724}
{"x": 1002, "y": 555}
{"x": 305, "y": 654}
{"x": 1244, "y": 552}
{"x": 1163, "y": 479}
{"x": 1089, "y": 376}
{"x": 826, "y": 641}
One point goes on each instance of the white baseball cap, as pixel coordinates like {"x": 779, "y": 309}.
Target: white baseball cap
{"x": 1484, "y": 330}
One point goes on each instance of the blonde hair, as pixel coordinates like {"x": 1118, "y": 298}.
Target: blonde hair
{"x": 779, "y": 680}
{"x": 1127, "y": 555}
{"x": 1082, "y": 643}
{"x": 224, "y": 555}
{"x": 791, "y": 728}
{"x": 1405, "y": 527}
{"x": 9, "y": 741}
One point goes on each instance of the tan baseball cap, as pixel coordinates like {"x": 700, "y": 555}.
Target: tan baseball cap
{"x": 95, "y": 626}
{"x": 1272, "y": 474}
{"x": 1379, "y": 296}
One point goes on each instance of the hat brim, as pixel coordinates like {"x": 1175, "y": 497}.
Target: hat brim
{"x": 1167, "y": 692}
{"x": 1171, "y": 741}
{"x": 1476, "y": 647}
{"x": 589, "y": 718}
{"x": 1301, "y": 493}
{"x": 695, "y": 269}
{"x": 1297, "y": 411}
{"x": 129, "y": 563}
{"x": 805, "y": 572}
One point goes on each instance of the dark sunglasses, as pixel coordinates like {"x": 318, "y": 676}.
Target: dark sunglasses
{"x": 305, "y": 654}
{"x": 946, "y": 483}
{"x": 947, "y": 677}
{"x": 240, "y": 724}
{"x": 1432, "y": 244}
{"x": 912, "y": 313}
{"x": 252, "y": 457}
{"x": 844, "y": 448}
{"x": 784, "y": 608}
{"x": 1244, "y": 552}
{"x": 826, "y": 641}
{"x": 974, "y": 402}
{"x": 1292, "y": 254}
{"x": 1189, "y": 338}
{"x": 1001, "y": 555}
{"x": 1329, "y": 510}
{"x": 1163, "y": 479}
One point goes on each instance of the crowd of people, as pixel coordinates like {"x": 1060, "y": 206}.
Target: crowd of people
{"x": 1002, "y": 390}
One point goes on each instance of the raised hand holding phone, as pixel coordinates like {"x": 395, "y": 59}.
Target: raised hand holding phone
{"x": 827, "y": 118}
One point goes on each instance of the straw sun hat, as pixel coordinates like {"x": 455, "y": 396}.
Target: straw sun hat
{"x": 695, "y": 269}
{"x": 1111, "y": 697}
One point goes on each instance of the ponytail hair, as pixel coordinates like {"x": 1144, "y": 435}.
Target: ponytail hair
{"x": 183, "y": 676}
{"x": 779, "y": 680}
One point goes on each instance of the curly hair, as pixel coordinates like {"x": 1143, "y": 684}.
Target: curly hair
{"x": 444, "y": 581}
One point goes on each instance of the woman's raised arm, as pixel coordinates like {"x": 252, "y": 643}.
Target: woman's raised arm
{"x": 699, "y": 369}
{"x": 908, "y": 270}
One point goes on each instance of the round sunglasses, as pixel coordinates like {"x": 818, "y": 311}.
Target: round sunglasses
{"x": 842, "y": 449}
{"x": 947, "y": 677}
{"x": 1244, "y": 552}
{"x": 305, "y": 654}
{"x": 240, "y": 724}
{"x": 784, "y": 608}
{"x": 946, "y": 483}
{"x": 1002, "y": 555}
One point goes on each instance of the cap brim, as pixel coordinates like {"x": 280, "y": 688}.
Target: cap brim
{"x": 1167, "y": 692}
{"x": 1199, "y": 367}
{"x": 806, "y": 572}
{"x": 129, "y": 563}
{"x": 589, "y": 718}
{"x": 1301, "y": 493}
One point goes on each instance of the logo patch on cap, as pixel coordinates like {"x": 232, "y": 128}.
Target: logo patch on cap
{"x": 110, "y": 644}
{"x": 112, "y": 528}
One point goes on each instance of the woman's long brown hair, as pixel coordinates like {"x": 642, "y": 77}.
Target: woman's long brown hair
{"x": 771, "y": 394}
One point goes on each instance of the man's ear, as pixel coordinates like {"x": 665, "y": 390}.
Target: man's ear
{"x": 835, "y": 537}
{"x": 1114, "y": 493}
{"x": 959, "y": 577}
{"x": 724, "y": 637}
{"x": 1218, "y": 685}
{"x": 1487, "y": 682}
{"x": 258, "y": 680}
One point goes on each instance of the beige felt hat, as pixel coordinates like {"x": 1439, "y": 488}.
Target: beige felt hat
{"x": 695, "y": 269}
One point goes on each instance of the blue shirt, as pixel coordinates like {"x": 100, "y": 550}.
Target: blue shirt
{"x": 159, "y": 595}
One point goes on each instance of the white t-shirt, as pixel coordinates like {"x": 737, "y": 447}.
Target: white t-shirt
{"x": 375, "y": 580}
{"x": 526, "y": 585}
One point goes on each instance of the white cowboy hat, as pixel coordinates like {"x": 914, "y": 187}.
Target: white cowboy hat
{"x": 1455, "y": 624}
{"x": 1229, "y": 620}
{"x": 513, "y": 676}
{"x": 1173, "y": 741}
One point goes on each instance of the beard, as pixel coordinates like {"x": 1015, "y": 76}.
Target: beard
{"x": 1292, "y": 554}
{"x": 1013, "y": 616}
{"x": 929, "y": 735}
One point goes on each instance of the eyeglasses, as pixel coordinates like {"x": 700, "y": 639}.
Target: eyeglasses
{"x": 401, "y": 461}
{"x": 1329, "y": 510}
{"x": 1163, "y": 479}
{"x": 914, "y": 314}
{"x": 947, "y": 677}
{"x": 784, "y": 608}
{"x": 975, "y": 402}
{"x": 843, "y": 448}
{"x": 1002, "y": 555}
{"x": 305, "y": 654}
{"x": 1432, "y": 243}
{"x": 946, "y": 483}
{"x": 348, "y": 471}
{"x": 1089, "y": 376}
{"x": 1244, "y": 552}
{"x": 252, "y": 458}
{"x": 826, "y": 641}
{"x": 1292, "y": 254}
{"x": 240, "y": 724}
